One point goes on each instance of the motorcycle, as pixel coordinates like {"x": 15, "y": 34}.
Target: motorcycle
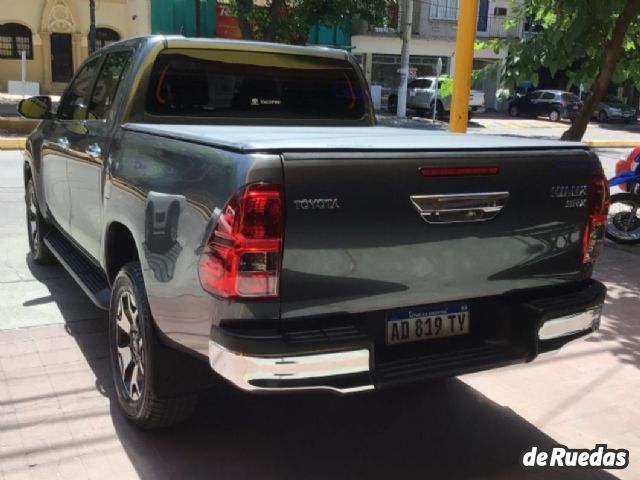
{"x": 623, "y": 222}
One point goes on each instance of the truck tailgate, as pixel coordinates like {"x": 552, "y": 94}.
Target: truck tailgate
{"x": 355, "y": 240}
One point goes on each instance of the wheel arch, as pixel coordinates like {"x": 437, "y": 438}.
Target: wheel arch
{"x": 120, "y": 248}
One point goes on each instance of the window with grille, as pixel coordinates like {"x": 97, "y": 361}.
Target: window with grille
{"x": 15, "y": 38}
{"x": 444, "y": 9}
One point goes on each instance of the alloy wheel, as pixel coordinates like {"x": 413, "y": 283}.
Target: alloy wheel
{"x": 130, "y": 347}
{"x": 32, "y": 221}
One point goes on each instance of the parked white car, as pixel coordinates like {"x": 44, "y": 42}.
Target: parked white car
{"x": 421, "y": 95}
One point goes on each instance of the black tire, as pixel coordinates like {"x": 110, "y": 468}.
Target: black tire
{"x": 37, "y": 228}
{"x": 439, "y": 110}
{"x": 611, "y": 232}
{"x": 469, "y": 115}
{"x": 392, "y": 104}
{"x": 139, "y": 400}
{"x": 514, "y": 111}
{"x": 554, "y": 116}
{"x": 602, "y": 116}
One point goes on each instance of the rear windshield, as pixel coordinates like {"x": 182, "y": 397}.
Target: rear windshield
{"x": 245, "y": 84}
{"x": 570, "y": 97}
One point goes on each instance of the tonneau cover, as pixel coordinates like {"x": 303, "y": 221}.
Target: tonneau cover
{"x": 286, "y": 138}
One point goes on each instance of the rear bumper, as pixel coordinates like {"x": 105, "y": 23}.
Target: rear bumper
{"x": 348, "y": 359}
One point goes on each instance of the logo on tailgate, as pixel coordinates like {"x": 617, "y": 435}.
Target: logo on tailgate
{"x": 317, "y": 204}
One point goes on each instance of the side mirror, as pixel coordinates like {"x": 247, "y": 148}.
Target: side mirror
{"x": 36, "y": 108}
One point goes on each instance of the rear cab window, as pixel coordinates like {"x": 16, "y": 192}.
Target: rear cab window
{"x": 230, "y": 84}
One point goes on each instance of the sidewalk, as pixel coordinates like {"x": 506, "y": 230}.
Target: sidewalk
{"x": 608, "y": 135}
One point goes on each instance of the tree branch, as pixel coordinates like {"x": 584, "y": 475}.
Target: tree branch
{"x": 612, "y": 51}
{"x": 245, "y": 9}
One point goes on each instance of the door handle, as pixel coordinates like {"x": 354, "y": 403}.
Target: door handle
{"x": 94, "y": 150}
{"x": 63, "y": 143}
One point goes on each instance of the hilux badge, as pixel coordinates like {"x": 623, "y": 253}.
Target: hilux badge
{"x": 575, "y": 195}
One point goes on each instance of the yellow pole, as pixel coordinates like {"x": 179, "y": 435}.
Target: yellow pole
{"x": 465, "y": 38}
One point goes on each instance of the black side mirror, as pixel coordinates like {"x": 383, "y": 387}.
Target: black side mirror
{"x": 37, "y": 108}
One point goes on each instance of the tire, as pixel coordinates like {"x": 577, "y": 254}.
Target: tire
{"x": 514, "y": 111}
{"x": 469, "y": 115}
{"x": 132, "y": 339}
{"x": 617, "y": 221}
{"x": 392, "y": 104}
{"x": 37, "y": 228}
{"x": 439, "y": 110}
{"x": 554, "y": 116}
{"x": 602, "y": 116}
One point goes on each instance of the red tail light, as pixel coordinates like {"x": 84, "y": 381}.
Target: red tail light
{"x": 593, "y": 235}
{"x": 243, "y": 254}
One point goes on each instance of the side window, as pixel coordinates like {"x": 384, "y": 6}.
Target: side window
{"x": 74, "y": 103}
{"x": 548, "y": 96}
{"x": 107, "y": 83}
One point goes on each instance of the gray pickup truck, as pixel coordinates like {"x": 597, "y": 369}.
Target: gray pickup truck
{"x": 235, "y": 208}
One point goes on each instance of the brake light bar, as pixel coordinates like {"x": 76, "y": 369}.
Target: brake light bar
{"x": 458, "y": 171}
{"x": 243, "y": 254}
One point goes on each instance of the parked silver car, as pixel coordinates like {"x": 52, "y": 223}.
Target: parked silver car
{"x": 612, "y": 108}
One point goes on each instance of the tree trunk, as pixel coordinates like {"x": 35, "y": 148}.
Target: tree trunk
{"x": 274, "y": 17}
{"x": 611, "y": 53}
{"x": 244, "y": 8}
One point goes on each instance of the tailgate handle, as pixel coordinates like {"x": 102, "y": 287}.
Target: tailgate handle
{"x": 459, "y": 207}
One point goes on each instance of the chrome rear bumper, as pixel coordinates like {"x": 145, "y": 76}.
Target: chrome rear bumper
{"x": 342, "y": 372}
{"x": 589, "y": 320}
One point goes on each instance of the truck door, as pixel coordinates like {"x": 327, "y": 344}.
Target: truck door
{"x": 85, "y": 169}
{"x": 59, "y": 136}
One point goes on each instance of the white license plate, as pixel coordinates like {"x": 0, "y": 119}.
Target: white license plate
{"x": 426, "y": 323}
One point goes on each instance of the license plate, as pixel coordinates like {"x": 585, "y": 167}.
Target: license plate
{"x": 426, "y": 323}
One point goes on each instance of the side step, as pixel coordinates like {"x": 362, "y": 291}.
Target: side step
{"x": 86, "y": 274}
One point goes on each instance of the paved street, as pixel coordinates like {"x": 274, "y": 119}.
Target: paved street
{"x": 59, "y": 417}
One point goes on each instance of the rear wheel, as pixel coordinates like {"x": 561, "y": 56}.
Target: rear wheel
{"x": 554, "y": 115}
{"x": 392, "y": 104}
{"x": 513, "y": 111}
{"x": 602, "y": 116}
{"x": 134, "y": 353}
{"x": 439, "y": 110}
{"x": 623, "y": 224}
{"x": 37, "y": 228}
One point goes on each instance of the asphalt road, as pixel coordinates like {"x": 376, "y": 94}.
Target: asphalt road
{"x": 58, "y": 413}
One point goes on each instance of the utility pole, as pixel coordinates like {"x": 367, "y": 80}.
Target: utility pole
{"x": 407, "y": 23}
{"x": 465, "y": 38}
{"x": 92, "y": 26}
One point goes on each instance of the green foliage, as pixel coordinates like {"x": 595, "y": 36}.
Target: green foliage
{"x": 573, "y": 35}
{"x": 476, "y": 75}
{"x": 290, "y": 21}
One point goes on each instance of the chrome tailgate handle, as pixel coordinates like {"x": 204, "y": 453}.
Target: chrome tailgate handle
{"x": 459, "y": 207}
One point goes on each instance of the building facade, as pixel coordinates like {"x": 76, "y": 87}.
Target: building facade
{"x": 434, "y": 36}
{"x": 55, "y": 36}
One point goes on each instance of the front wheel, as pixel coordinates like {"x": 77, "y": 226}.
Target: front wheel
{"x": 513, "y": 111}
{"x": 623, "y": 223}
{"x": 37, "y": 228}
{"x": 135, "y": 351}
{"x": 554, "y": 115}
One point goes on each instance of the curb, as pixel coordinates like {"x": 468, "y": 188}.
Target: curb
{"x": 612, "y": 143}
{"x": 12, "y": 143}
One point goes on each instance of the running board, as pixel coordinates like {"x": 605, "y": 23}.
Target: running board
{"x": 84, "y": 272}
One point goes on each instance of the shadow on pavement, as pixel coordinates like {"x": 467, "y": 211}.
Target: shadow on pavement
{"x": 439, "y": 430}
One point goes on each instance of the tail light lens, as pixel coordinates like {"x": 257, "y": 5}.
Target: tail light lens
{"x": 243, "y": 254}
{"x": 594, "y": 231}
